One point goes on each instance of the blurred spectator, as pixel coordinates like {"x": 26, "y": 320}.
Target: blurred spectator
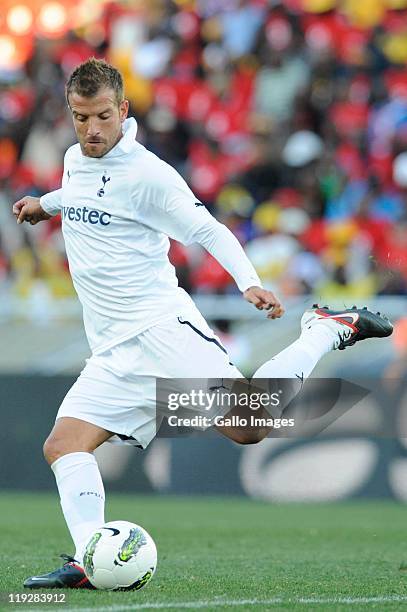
{"x": 288, "y": 119}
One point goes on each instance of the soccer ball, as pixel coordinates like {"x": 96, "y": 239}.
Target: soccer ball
{"x": 120, "y": 556}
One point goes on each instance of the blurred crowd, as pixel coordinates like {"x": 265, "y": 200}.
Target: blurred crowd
{"x": 287, "y": 119}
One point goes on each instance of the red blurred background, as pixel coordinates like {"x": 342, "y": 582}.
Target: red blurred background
{"x": 288, "y": 119}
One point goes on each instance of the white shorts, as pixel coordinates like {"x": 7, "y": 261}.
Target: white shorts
{"x": 117, "y": 389}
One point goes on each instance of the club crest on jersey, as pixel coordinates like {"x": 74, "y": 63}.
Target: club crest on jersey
{"x": 105, "y": 179}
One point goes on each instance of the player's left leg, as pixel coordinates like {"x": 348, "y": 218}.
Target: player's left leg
{"x": 103, "y": 400}
{"x": 69, "y": 452}
{"x": 322, "y": 330}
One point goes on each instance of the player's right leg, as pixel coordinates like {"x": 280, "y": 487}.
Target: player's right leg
{"x": 322, "y": 330}
{"x": 69, "y": 451}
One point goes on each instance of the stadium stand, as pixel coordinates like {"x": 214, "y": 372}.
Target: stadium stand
{"x": 288, "y": 119}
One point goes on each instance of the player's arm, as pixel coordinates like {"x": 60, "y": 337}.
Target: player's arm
{"x": 221, "y": 243}
{"x": 33, "y": 210}
{"x": 174, "y": 210}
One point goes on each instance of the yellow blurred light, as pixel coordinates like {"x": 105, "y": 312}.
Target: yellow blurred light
{"x": 397, "y": 4}
{"x": 364, "y": 14}
{"x": 19, "y": 19}
{"x": 7, "y": 51}
{"x": 318, "y": 6}
{"x": 188, "y": 4}
{"x": 52, "y": 17}
{"x": 395, "y": 47}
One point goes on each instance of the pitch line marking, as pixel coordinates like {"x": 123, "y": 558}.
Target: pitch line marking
{"x": 218, "y": 603}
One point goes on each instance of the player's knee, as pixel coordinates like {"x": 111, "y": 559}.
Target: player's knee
{"x": 248, "y": 437}
{"x": 53, "y": 449}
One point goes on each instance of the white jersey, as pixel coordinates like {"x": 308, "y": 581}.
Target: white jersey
{"x": 117, "y": 214}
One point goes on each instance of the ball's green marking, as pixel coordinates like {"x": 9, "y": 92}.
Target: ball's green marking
{"x": 89, "y": 552}
{"x": 143, "y": 581}
{"x": 132, "y": 545}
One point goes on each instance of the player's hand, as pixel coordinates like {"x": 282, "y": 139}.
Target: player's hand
{"x": 28, "y": 209}
{"x": 264, "y": 300}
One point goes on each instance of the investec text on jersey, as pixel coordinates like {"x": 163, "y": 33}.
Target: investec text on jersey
{"x": 81, "y": 214}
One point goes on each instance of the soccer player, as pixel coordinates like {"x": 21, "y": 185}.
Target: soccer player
{"x": 119, "y": 203}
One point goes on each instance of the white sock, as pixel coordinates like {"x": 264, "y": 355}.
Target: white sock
{"x": 82, "y": 496}
{"x": 296, "y": 362}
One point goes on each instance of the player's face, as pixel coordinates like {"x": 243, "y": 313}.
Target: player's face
{"x": 98, "y": 121}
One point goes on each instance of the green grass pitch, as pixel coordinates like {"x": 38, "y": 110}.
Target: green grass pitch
{"x": 226, "y": 553}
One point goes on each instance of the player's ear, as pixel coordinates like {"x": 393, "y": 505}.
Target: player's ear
{"x": 124, "y": 110}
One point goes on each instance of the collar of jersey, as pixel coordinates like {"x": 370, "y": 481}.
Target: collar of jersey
{"x": 126, "y": 144}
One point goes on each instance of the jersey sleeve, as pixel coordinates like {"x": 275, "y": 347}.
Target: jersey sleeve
{"x": 164, "y": 202}
{"x": 51, "y": 202}
{"x": 223, "y": 245}
{"x": 168, "y": 205}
